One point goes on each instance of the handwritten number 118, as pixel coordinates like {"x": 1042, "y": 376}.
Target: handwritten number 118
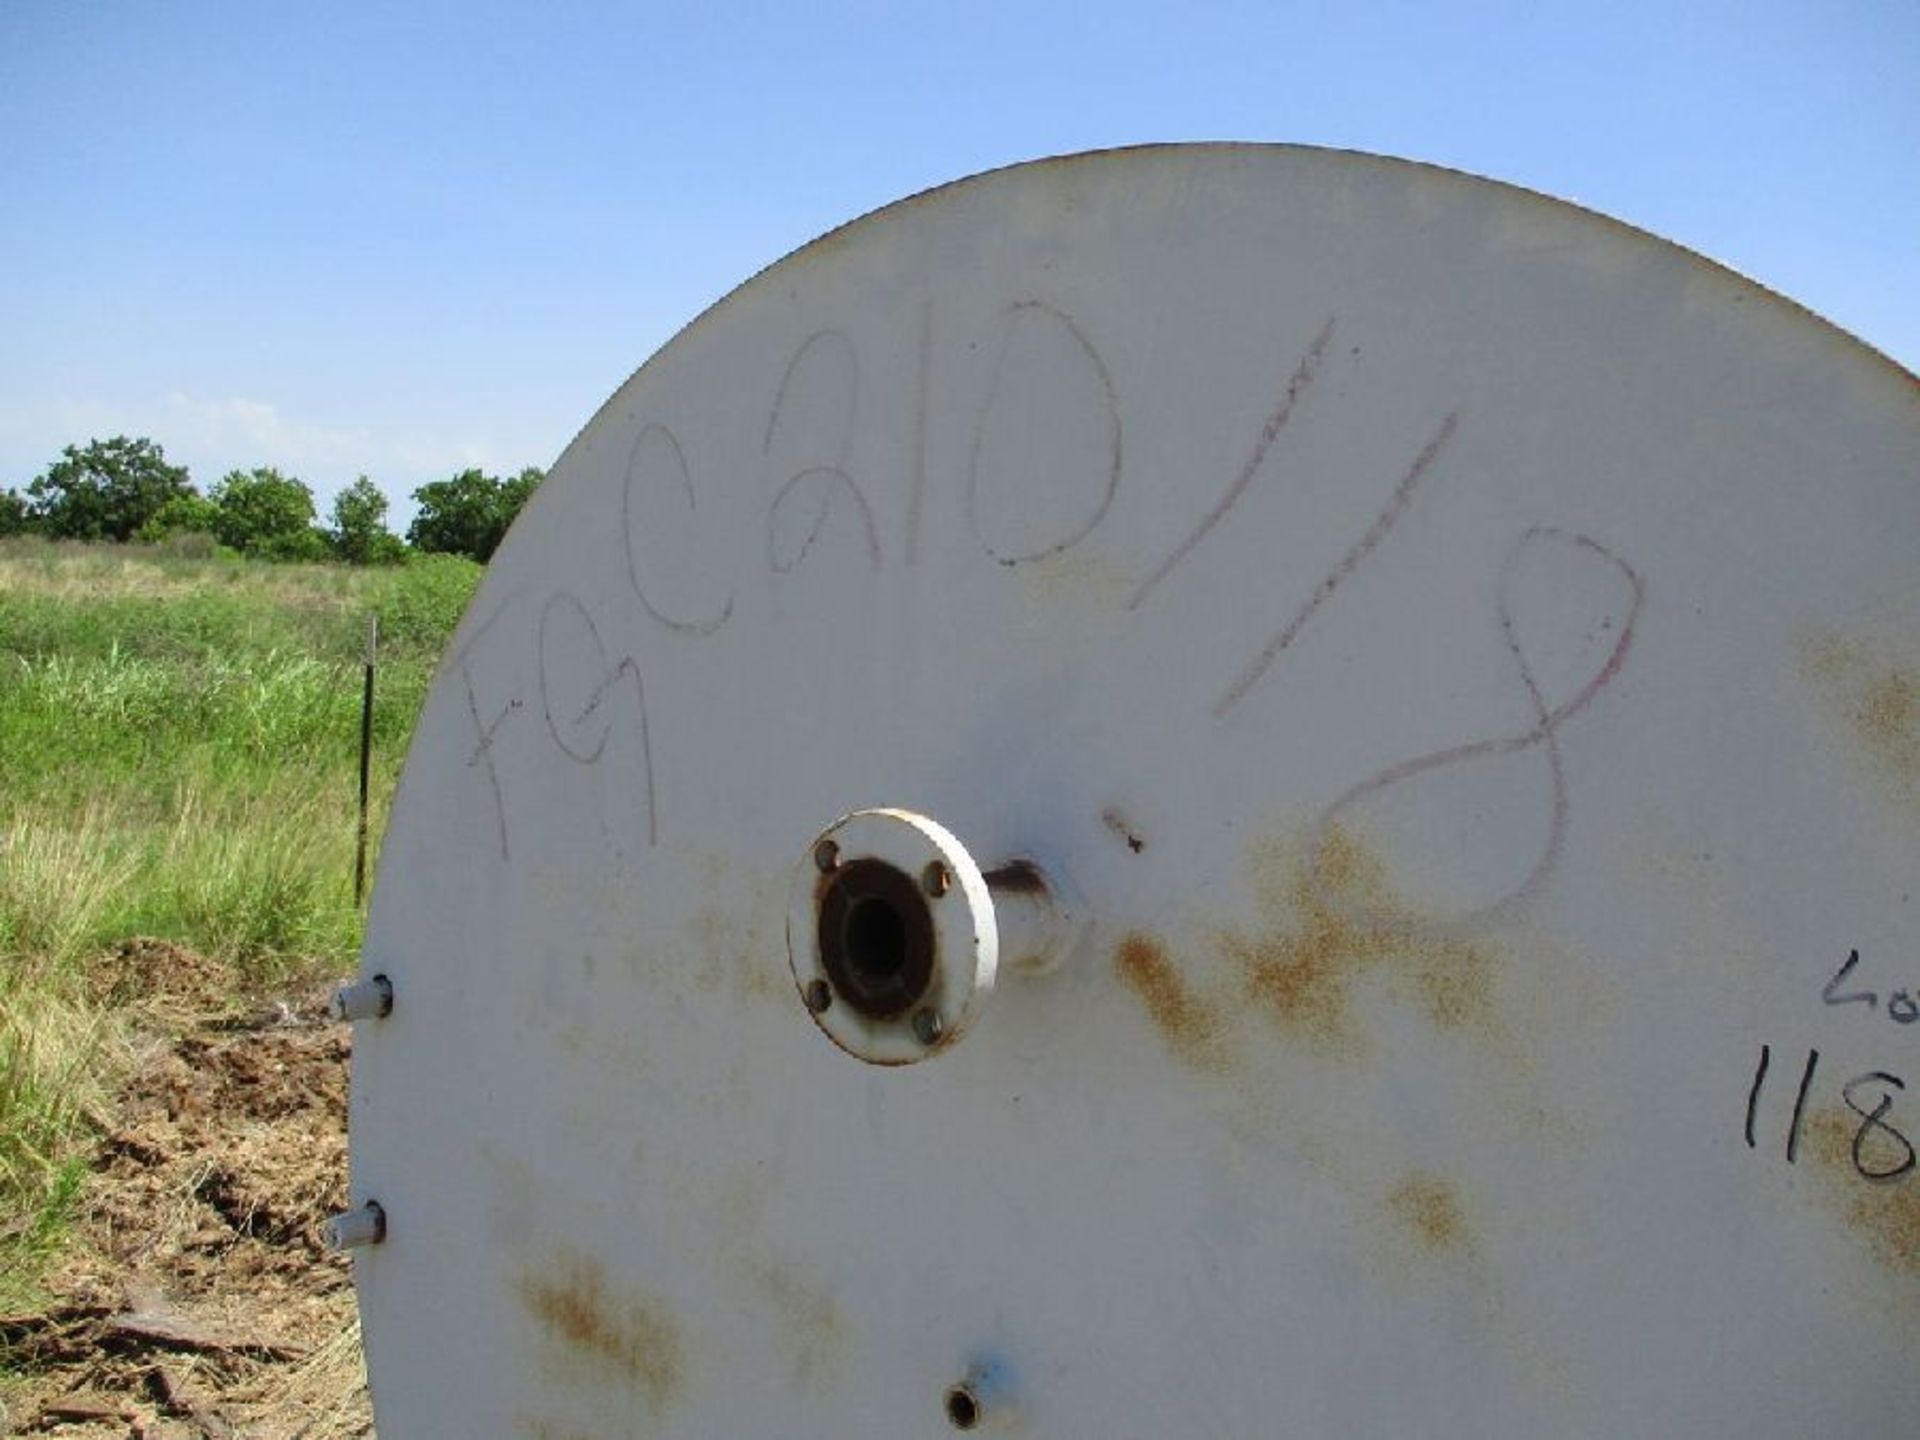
{"x": 1871, "y": 1120}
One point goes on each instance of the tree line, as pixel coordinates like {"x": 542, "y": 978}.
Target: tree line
{"x": 124, "y": 490}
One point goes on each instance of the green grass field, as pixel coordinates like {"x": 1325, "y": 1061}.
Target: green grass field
{"x": 179, "y": 752}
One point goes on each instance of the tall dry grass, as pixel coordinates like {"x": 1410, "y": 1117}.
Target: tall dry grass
{"x": 179, "y": 759}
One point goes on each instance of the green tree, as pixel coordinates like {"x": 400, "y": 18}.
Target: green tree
{"x": 262, "y": 512}
{"x": 15, "y": 518}
{"x": 106, "y": 491}
{"x": 359, "y": 533}
{"x": 308, "y": 545}
{"x": 469, "y": 514}
{"x": 515, "y": 493}
{"x": 182, "y": 515}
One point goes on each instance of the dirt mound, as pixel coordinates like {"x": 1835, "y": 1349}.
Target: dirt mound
{"x": 198, "y": 1298}
{"x": 144, "y": 969}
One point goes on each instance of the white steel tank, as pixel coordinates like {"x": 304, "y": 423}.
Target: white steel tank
{"x": 1201, "y": 791}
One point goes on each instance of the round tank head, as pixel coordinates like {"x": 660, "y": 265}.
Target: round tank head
{"x": 1216, "y": 790}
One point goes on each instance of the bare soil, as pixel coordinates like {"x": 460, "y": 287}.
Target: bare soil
{"x": 196, "y": 1297}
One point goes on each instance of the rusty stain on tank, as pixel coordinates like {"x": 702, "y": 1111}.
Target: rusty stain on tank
{"x": 1332, "y": 919}
{"x": 1875, "y": 693}
{"x": 1428, "y": 1208}
{"x": 737, "y": 945}
{"x": 1191, "y": 1027}
{"x": 1123, "y": 829}
{"x": 630, "y": 1337}
{"x": 1287, "y": 1004}
{"x": 1331, "y": 937}
{"x": 1887, "y": 714}
{"x": 1077, "y": 576}
{"x": 811, "y": 1332}
{"x": 1884, "y": 1215}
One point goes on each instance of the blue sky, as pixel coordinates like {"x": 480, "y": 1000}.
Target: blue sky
{"x": 402, "y": 239}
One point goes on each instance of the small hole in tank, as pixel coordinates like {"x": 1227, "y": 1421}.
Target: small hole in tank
{"x": 963, "y": 1411}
